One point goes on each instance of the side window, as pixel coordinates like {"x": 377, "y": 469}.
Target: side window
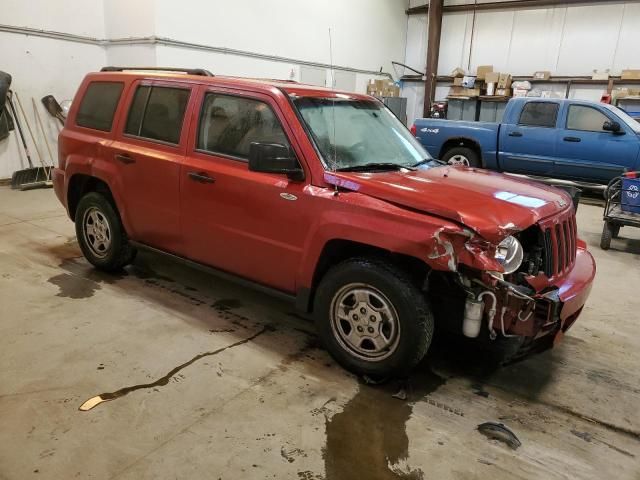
{"x": 539, "y": 114}
{"x": 228, "y": 125}
{"x": 157, "y": 113}
{"x": 585, "y": 118}
{"x": 98, "y": 105}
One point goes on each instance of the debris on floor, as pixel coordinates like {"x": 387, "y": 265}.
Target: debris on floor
{"x": 500, "y": 432}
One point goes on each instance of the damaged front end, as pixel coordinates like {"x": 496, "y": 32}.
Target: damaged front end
{"x": 531, "y": 286}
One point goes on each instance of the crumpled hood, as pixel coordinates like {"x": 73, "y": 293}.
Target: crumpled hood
{"x": 492, "y": 204}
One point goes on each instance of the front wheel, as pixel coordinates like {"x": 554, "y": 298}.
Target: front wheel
{"x": 101, "y": 234}
{"x": 372, "y": 319}
{"x": 462, "y": 156}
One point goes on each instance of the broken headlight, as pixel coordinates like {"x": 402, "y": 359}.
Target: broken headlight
{"x": 510, "y": 254}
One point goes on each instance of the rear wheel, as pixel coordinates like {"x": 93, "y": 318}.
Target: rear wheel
{"x": 607, "y": 234}
{"x": 100, "y": 233}
{"x": 372, "y": 319}
{"x": 462, "y": 156}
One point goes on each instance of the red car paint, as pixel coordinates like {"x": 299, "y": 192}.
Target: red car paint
{"x": 450, "y": 218}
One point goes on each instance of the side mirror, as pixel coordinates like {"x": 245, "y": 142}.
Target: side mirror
{"x": 613, "y": 127}
{"x": 274, "y": 158}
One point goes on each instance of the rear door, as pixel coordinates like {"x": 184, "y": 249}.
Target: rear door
{"x": 149, "y": 149}
{"x": 251, "y": 224}
{"x": 529, "y": 146}
{"x": 587, "y": 152}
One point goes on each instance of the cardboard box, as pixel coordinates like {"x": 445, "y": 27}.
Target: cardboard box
{"x": 492, "y": 77}
{"x": 464, "y": 92}
{"x": 630, "y": 75}
{"x": 542, "y": 75}
{"x": 457, "y": 81}
{"x": 391, "y": 90}
{"x": 626, "y": 92}
{"x": 458, "y": 72}
{"x": 600, "y": 75}
{"x": 469, "y": 81}
{"x": 383, "y": 88}
{"x": 520, "y": 92}
{"x": 504, "y": 80}
{"x": 503, "y": 92}
{"x": 483, "y": 70}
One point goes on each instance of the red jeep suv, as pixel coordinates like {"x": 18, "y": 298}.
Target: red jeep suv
{"x": 323, "y": 197}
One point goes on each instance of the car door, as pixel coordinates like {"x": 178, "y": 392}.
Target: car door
{"x": 587, "y": 152}
{"x": 148, "y": 150}
{"x": 529, "y": 146}
{"x": 247, "y": 223}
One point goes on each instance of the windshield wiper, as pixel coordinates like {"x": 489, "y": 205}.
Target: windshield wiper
{"x": 429, "y": 160}
{"x": 375, "y": 166}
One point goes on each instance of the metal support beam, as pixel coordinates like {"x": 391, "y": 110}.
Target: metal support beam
{"x": 509, "y": 4}
{"x": 434, "y": 28}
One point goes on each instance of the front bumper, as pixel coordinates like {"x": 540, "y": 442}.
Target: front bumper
{"x": 557, "y": 309}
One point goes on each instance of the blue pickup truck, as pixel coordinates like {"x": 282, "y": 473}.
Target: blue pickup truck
{"x": 574, "y": 140}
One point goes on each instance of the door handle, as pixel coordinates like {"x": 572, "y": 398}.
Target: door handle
{"x": 515, "y": 134}
{"x": 201, "y": 177}
{"x": 124, "y": 158}
{"x": 572, "y": 139}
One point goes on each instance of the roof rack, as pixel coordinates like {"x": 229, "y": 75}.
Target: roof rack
{"x": 189, "y": 71}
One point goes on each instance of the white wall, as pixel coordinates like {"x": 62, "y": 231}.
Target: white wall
{"x": 60, "y": 15}
{"x": 367, "y": 35}
{"x": 41, "y": 66}
{"x": 569, "y": 40}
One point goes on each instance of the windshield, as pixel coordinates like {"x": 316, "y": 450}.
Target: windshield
{"x": 625, "y": 117}
{"x": 358, "y": 133}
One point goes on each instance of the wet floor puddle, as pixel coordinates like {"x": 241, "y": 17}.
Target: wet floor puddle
{"x": 368, "y": 439}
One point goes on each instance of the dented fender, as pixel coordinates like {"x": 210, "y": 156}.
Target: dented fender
{"x": 441, "y": 244}
{"x": 463, "y": 247}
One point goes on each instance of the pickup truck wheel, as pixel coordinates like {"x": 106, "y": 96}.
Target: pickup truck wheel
{"x": 101, "y": 235}
{"x": 461, "y": 156}
{"x": 372, "y": 319}
{"x": 607, "y": 234}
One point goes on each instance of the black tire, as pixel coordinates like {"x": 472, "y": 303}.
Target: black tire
{"x": 119, "y": 251}
{"x": 471, "y": 156}
{"x": 615, "y": 231}
{"x": 414, "y": 318}
{"x": 607, "y": 234}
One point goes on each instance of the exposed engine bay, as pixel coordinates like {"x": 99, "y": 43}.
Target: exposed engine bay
{"x": 515, "y": 303}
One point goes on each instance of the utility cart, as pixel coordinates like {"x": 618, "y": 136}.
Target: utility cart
{"x": 622, "y": 207}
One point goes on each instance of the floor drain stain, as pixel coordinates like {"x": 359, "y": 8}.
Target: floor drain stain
{"x": 105, "y": 397}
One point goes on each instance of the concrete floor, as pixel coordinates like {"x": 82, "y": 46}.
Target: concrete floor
{"x": 227, "y": 383}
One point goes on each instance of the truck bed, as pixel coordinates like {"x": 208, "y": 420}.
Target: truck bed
{"x": 438, "y": 134}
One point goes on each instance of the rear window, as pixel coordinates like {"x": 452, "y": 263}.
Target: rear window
{"x": 99, "y": 104}
{"x": 539, "y": 114}
{"x": 157, "y": 113}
